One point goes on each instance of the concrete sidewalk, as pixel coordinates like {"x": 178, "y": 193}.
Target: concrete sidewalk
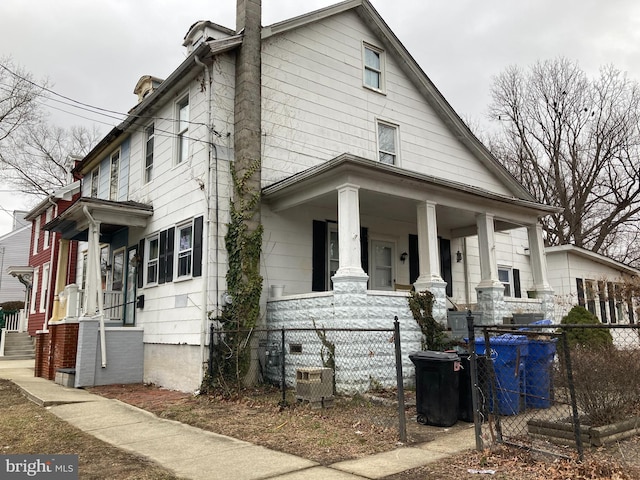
{"x": 197, "y": 454}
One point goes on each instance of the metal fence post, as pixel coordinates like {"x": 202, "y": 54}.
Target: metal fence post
{"x": 402, "y": 421}
{"x": 473, "y": 367}
{"x": 283, "y": 403}
{"x": 211, "y": 346}
{"x": 572, "y": 393}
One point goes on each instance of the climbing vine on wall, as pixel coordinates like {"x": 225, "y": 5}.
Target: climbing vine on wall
{"x": 243, "y": 243}
{"x": 433, "y": 332}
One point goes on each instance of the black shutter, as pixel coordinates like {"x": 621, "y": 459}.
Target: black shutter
{"x": 445, "y": 264}
{"x": 517, "y": 292}
{"x": 171, "y": 234}
{"x": 162, "y": 257}
{"x": 414, "y": 261}
{"x": 141, "y": 263}
{"x": 612, "y": 303}
{"x": 364, "y": 249}
{"x": 631, "y": 317}
{"x": 197, "y": 247}
{"x": 580, "y": 287}
{"x": 319, "y": 256}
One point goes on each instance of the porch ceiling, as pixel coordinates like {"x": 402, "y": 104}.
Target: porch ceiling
{"x": 112, "y": 216}
{"x": 390, "y": 192}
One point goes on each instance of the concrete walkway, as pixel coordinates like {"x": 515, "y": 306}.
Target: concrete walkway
{"x": 197, "y": 454}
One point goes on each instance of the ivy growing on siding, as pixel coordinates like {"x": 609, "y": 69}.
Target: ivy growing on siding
{"x": 243, "y": 243}
{"x": 433, "y": 332}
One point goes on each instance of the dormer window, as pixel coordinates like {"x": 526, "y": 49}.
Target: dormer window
{"x": 373, "y": 67}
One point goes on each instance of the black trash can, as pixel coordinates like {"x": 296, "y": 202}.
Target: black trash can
{"x": 437, "y": 383}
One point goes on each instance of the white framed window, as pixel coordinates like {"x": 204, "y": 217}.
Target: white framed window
{"x": 152, "y": 252}
{"x": 373, "y": 60}
{"x": 148, "y": 156}
{"x": 185, "y": 249}
{"x": 36, "y": 234}
{"x": 183, "y": 129}
{"x": 95, "y": 180}
{"x": 48, "y": 217}
{"x": 387, "y": 143}
{"x": 44, "y": 288}
{"x": 114, "y": 175}
{"x": 36, "y": 279}
{"x": 505, "y": 275}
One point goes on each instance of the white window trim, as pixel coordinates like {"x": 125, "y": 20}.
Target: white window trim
{"x": 510, "y": 282}
{"x": 147, "y": 170}
{"x": 47, "y": 233}
{"x": 178, "y": 251}
{"x": 147, "y": 251}
{"x": 95, "y": 173}
{"x": 383, "y": 66}
{"x": 44, "y": 287}
{"x": 115, "y": 153}
{"x": 34, "y": 289}
{"x": 182, "y": 134}
{"x": 396, "y": 128}
{"x": 36, "y": 234}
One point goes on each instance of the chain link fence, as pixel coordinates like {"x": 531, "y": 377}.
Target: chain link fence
{"x": 316, "y": 366}
{"x": 549, "y": 385}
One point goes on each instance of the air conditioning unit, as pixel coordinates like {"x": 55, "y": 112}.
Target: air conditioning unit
{"x": 315, "y": 385}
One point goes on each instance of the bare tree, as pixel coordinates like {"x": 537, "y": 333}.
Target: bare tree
{"x": 35, "y": 158}
{"x": 19, "y": 97}
{"x": 575, "y": 143}
{"x": 39, "y": 158}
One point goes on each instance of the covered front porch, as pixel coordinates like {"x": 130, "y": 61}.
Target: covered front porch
{"x": 92, "y": 328}
{"x": 387, "y": 229}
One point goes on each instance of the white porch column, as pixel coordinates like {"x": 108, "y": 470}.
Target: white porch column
{"x": 429, "y": 264}
{"x": 350, "y": 270}
{"x": 538, "y": 258}
{"x": 490, "y": 290}
{"x": 93, "y": 286}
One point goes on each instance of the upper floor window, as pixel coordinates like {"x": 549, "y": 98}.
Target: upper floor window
{"x": 95, "y": 179}
{"x": 113, "y": 177}
{"x": 148, "y": 163}
{"x": 373, "y": 60}
{"x": 48, "y": 217}
{"x": 388, "y": 143}
{"x": 183, "y": 129}
{"x": 36, "y": 234}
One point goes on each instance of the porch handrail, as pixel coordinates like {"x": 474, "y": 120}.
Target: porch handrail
{"x": 113, "y": 304}
{"x": 12, "y": 321}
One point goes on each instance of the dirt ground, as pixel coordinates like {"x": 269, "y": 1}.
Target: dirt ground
{"x": 356, "y": 427}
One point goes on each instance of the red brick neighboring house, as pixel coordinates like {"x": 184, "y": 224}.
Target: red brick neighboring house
{"x": 55, "y": 345}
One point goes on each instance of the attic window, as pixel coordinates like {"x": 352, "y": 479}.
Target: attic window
{"x": 373, "y": 67}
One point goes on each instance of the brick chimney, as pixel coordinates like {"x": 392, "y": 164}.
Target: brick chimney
{"x": 247, "y": 143}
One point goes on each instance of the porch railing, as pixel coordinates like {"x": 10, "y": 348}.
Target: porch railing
{"x": 14, "y": 321}
{"x": 113, "y": 305}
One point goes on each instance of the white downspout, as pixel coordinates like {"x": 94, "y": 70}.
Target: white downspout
{"x": 207, "y": 224}
{"x": 95, "y": 239}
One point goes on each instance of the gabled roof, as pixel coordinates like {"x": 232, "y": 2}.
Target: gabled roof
{"x": 593, "y": 256}
{"x": 407, "y": 63}
{"x": 63, "y": 193}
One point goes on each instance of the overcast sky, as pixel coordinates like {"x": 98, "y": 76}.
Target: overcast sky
{"x": 95, "y": 51}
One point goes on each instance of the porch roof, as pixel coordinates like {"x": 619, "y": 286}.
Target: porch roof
{"x": 390, "y": 189}
{"x": 73, "y": 223}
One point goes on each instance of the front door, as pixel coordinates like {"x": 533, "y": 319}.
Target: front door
{"x": 382, "y": 269}
{"x": 130, "y": 288}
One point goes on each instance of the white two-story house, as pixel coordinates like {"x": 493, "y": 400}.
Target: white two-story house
{"x": 371, "y": 183}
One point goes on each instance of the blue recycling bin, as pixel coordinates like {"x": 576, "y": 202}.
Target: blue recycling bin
{"x": 539, "y": 373}
{"x": 539, "y": 369}
{"x": 509, "y": 357}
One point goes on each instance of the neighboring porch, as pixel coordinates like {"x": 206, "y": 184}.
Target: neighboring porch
{"x": 437, "y": 214}
{"x": 91, "y": 334}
